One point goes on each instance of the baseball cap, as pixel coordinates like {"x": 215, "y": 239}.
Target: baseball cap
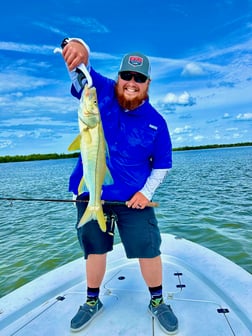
{"x": 136, "y": 62}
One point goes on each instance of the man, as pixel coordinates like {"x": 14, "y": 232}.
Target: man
{"x": 139, "y": 158}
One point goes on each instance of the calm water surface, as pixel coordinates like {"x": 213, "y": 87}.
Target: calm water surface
{"x": 206, "y": 198}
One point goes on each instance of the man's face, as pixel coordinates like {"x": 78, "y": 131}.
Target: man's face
{"x": 131, "y": 90}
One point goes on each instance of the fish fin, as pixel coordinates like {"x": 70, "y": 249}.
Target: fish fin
{"x": 107, "y": 150}
{"x": 101, "y": 220}
{"x": 108, "y": 179}
{"x": 75, "y": 144}
{"x": 82, "y": 187}
{"x": 95, "y": 213}
{"x": 86, "y": 217}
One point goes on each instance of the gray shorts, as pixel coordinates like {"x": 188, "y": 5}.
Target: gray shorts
{"x": 138, "y": 231}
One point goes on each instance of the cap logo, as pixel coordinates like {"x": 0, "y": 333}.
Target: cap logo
{"x": 136, "y": 60}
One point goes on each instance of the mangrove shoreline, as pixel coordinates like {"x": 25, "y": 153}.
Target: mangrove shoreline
{"x": 55, "y": 156}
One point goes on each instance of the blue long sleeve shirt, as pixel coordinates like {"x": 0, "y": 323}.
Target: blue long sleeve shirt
{"x": 138, "y": 141}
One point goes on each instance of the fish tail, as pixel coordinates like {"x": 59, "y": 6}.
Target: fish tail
{"x": 101, "y": 220}
{"x": 96, "y": 213}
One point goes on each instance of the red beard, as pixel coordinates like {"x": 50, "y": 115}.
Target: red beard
{"x": 130, "y": 104}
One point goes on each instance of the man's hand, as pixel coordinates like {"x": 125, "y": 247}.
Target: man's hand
{"x": 75, "y": 53}
{"x": 138, "y": 201}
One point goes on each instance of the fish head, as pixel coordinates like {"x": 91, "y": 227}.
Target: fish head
{"x": 89, "y": 111}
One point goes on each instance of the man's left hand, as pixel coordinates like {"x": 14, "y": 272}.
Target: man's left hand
{"x": 138, "y": 201}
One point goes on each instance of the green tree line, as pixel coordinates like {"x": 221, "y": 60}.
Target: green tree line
{"x": 213, "y": 146}
{"x": 55, "y": 156}
{"x": 36, "y": 157}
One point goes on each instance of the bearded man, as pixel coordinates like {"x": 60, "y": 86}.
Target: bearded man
{"x": 140, "y": 155}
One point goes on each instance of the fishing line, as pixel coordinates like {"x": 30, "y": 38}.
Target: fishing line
{"x": 11, "y": 199}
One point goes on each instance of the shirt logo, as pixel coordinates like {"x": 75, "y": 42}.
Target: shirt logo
{"x": 153, "y": 126}
{"x": 135, "y": 60}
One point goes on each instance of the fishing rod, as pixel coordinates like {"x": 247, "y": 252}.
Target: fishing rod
{"x": 11, "y": 199}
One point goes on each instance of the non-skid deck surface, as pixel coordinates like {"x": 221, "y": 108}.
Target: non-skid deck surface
{"x": 201, "y": 306}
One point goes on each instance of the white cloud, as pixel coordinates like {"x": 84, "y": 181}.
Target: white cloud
{"x": 170, "y": 98}
{"x": 36, "y": 106}
{"x": 5, "y": 143}
{"x": 50, "y": 28}
{"x": 193, "y": 69}
{"x": 180, "y": 139}
{"x": 9, "y": 82}
{"x": 90, "y": 24}
{"x": 37, "y": 121}
{"x": 182, "y": 130}
{"x": 198, "y": 137}
{"x": 244, "y": 116}
{"x": 184, "y": 99}
{"x": 26, "y": 48}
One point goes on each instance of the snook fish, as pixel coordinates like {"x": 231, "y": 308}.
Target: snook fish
{"x": 92, "y": 145}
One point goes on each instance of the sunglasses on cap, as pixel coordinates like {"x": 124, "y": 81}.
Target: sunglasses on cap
{"x": 127, "y": 76}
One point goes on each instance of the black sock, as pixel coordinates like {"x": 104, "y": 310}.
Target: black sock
{"x": 92, "y": 295}
{"x": 156, "y": 295}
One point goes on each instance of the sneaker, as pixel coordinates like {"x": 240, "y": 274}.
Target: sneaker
{"x": 85, "y": 315}
{"x": 164, "y": 315}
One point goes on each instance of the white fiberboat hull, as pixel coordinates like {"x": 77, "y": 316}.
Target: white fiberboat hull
{"x": 210, "y": 295}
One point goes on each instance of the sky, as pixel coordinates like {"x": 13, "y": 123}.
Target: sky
{"x": 200, "y": 52}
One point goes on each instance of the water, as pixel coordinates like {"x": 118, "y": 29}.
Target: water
{"x": 206, "y": 198}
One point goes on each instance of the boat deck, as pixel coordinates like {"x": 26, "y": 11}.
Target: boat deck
{"x": 210, "y": 295}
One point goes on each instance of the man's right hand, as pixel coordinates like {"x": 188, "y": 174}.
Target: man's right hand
{"x": 75, "y": 53}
